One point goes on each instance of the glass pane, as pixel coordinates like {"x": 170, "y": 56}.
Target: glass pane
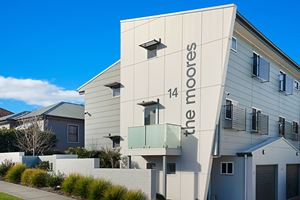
{"x": 229, "y": 168}
{"x": 171, "y": 168}
{"x": 173, "y": 136}
{"x": 264, "y": 69}
{"x": 136, "y": 137}
{"x": 116, "y": 92}
{"x": 223, "y": 168}
{"x": 150, "y": 115}
{"x": 155, "y": 136}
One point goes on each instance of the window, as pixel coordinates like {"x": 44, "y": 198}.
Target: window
{"x": 171, "y": 168}
{"x": 150, "y": 115}
{"x": 286, "y": 83}
{"x": 234, "y": 44}
{"x": 227, "y": 168}
{"x": 260, "y": 68}
{"x": 254, "y": 122}
{"x": 228, "y": 109}
{"x": 281, "y": 125}
{"x": 150, "y": 165}
{"x": 296, "y": 85}
{"x": 115, "y": 92}
{"x": 73, "y": 133}
{"x": 295, "y": 127}
{"x": 116, "y": 142}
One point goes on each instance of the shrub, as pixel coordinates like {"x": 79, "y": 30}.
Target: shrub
{"x": 98, "y": 188}
{"x": 15, "y": 172}
{"x": 5, "y": 166}
{"x": 69, "y": 183}
{"x": 39, "y": 178}
{"x": 81, "y": 187}
{"x": 115, "y": 193}
{"x": 26, "y": 176}
{"x": 44, "y": 165}
{"x": 135, "y": 195}
{"x": 55, "y": 180}
{"x": 8, "y": 140}
{"x": 34, "y": 177}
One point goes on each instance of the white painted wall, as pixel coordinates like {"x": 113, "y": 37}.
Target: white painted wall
{"x": 15, "y": 157}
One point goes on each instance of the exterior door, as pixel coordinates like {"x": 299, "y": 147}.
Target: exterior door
{"x": 292, "y": 181}
{"x": 266, "y": 186}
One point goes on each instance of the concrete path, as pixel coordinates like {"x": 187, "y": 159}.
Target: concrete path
{"x": 29, "y": 193}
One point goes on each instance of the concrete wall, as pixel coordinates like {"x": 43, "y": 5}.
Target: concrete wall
{"x": 52, "y": 159}
{"x": 84, "y": 166}
{"x": 103, "y": 110}
{"x": 193, "y": 59}
{"x": 59, "y": 126}
{"x": 15, "y": 157}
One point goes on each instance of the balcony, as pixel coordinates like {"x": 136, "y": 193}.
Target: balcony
{"x": 234, "y": 117}
{"x": 157, "y": 139}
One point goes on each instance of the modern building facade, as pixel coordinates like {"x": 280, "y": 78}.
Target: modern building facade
{"x": 211, "y": 104}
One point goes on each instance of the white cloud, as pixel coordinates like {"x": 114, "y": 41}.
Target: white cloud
{"x": 36, "y": 92}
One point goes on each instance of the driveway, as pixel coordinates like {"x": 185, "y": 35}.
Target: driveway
{"x": 27, "y": 193}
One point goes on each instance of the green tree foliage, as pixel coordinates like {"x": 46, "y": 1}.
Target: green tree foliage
{"x": 8, "y": 140}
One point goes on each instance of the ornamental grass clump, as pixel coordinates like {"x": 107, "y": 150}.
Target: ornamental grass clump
{"x": 81, "y": 187}
{"x": 135, "y": 195}
{"x": 115, "y": 192}
{"x": 69, "y": 183}
{"x": 14, "y": 173}
{"x": 98, "y": 188}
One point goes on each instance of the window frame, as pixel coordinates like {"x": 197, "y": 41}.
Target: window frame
{"x": 113, "y": 92}
{"x": 236, "y": 44}
{"x": 296, "y": 82}
{"x": 258, "y": 110}
{"x": 297, "y": 129}
{"x": 226, "y": 168}
{"x": 78, "y": 141}
{"x": 167, "y": 168}
{"x": 283, "y": 135}
{"x": 283, "y": 87}
{"x": 231, "y": 109}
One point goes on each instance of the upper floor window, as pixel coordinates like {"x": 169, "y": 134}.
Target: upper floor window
{"x": 234, "y": 44}
{"x": 281, "y": 126}
{"x": 227, "y": 168}
{"x": 73, "y": 133}
{"x": 296, "y": 85}
{"x": 260, "y": 68}
{"x": 228, "y": 109}
{"x": 295, "y": 127}
{"x": 286, "y": 83}
{"x": 115, "y": 87}
{"x": 150, "y": 115}
{"x": 254, "y": 123}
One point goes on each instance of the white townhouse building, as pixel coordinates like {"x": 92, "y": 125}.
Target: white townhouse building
{"x": 206, "y": 100}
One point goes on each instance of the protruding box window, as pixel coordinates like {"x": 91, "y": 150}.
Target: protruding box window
{"x": 260, "y": 68}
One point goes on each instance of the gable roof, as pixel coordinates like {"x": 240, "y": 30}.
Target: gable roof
{"x": 81, "y": 88}
{"x": 62, "y": 109}
{"x": 4, "y": 112}
{"x": 13, "y": 116}
{"x": 264, "y": 144}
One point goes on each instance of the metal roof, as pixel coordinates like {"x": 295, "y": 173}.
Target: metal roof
{"x": 13, "y": 116}
{"x": 62, "y": 109}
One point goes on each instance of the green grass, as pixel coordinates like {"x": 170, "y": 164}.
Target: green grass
{"x": 4, "y": 196}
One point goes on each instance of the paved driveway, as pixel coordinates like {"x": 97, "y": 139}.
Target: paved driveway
{"x": 29, "y": 193}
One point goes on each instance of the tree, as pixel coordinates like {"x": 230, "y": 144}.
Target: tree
{"x": 33, "y": 138}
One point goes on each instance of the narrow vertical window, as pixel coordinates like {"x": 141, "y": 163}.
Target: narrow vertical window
{"x": 281, "y": 126}
{"x": 73, "y": 133}
{"x": 150, "y": 115}
{"x": 228, "y": 109}
{"x": 254, "y": 122}
{"x": 234, "y": 44}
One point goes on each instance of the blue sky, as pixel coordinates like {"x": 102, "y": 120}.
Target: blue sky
{"x": 57, "y": 45}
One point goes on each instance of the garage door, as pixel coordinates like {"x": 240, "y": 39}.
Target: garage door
{"x": 292, "y": 183}
{"x": 266, "y": 182}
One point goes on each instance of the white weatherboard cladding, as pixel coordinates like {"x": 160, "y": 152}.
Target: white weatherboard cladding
{"x": 193, "y": 59}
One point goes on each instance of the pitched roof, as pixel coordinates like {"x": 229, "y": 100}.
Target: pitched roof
{"x": 264, "y": 144}
{"x": 62, "y": 109}
{"x": 4, "y": 112}
{"x": 81, "y": 88}
{"x": 13, "y": 116}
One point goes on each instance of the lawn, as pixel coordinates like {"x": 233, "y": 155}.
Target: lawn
{"x": 4, "y": 196}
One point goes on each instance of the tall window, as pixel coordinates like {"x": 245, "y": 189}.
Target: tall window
{"x": 260, "y": 68}
{"x": 234, "y": 44}
{"x": 73, "y": 133}
{"x": 254, "y": 123}
{"x": 281, "y": 125}
{"x": 295, "y": 127}
{"x": 116, "y": 92}
{"x": 150, "y": 115}
{"x": 228, "y": 109}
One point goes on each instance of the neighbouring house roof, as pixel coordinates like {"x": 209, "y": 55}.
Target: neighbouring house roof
{"x": 13, "y": 117}
{"x": 81, "y": 88}
{"x": 62, "y": 109}
{"x": 4, "y": 112}
{"x": 264, "y": 144}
